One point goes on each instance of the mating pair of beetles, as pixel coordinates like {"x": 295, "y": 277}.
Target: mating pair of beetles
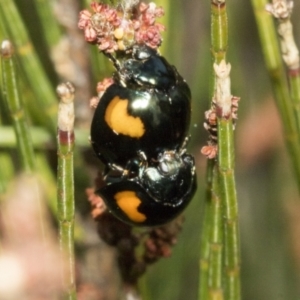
{"x": 139, "y": 131}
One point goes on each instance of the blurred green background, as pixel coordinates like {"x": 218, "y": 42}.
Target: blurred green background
{"x": 269, "y": 204}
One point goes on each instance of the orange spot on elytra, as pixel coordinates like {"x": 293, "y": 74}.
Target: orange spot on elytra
{"x": 129, "y": 202}
{"x": 118, "y": 119}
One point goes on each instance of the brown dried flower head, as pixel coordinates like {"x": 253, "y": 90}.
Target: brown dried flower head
{"x": 114, "y": 29}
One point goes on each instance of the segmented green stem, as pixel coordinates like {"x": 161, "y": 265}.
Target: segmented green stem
{"x": 15, "y": 107}
{"x": 211, "y": 271}
{"x": 216, "y": 242}
{"x": 275, "y": 68}
{"x": 18, "y": 115}
{"x": 39, "y": 83}
{"x": 282, "y": 10}
{"x": 65, "y": 193}
{"x": 219, "y": 31}
{"x": 225, "y": 159}
{"x": 230, "y": 210}
{"x": 205, "y": 234}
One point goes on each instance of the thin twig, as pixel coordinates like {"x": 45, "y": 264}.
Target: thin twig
{"x": 205, "y": 235}
{"x": 65, "y": 193}
{"x": 275, "y": 68}
{"x": 224, "y": 278}
{"x": 36, "y": 75}
{"x": 216, "y": 242}
{"x": 19, "y": 118}
{"x": 282, "y": 10}
{"x": 227, "y": 183}
{"x": 15, "y": 107}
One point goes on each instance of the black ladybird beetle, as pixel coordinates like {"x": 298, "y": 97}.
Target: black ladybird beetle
{"x": 157, "y": 195}
{"x": 139, "y": 132}
{"x": 147, "y": 109}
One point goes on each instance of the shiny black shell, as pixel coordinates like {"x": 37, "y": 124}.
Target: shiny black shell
{"x": 148, "y": 69}
{"x": 152, "y": 200}
{"x": 147, "y": 109}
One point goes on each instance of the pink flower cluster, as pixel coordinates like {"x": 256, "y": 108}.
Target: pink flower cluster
{"x": 114, "y": 29}
{"x": 101, "y": 88}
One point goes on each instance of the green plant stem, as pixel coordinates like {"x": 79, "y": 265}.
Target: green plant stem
{"x": 34, "y": 71}
{"x": 6, "y": 172}
{"x": 18, "y": 115}
{"x": 290, "y": 56}
{"x": 166, "y": 21}
{"x": 275, "y": 68}
{"x": 15, "y": 107}
{"x": 41, "y": 138}
{"x": 66, "y": 205}
{"x": 225, "y": 164}
{"x": 7, "y": 169}
{"x": 216, "y": 242}
{"x": 66, "y": 211}
{"x": 49, "y": 23}
{"x": 48, "y": 181}
{"x": 230, "y": 210}
{"x": 219, "y": 32}
{"x": 294, "y": 80}
{"x": 219, "y": 44}
{"x": 205, "y": 234}
{"x": 210, "y": 267}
